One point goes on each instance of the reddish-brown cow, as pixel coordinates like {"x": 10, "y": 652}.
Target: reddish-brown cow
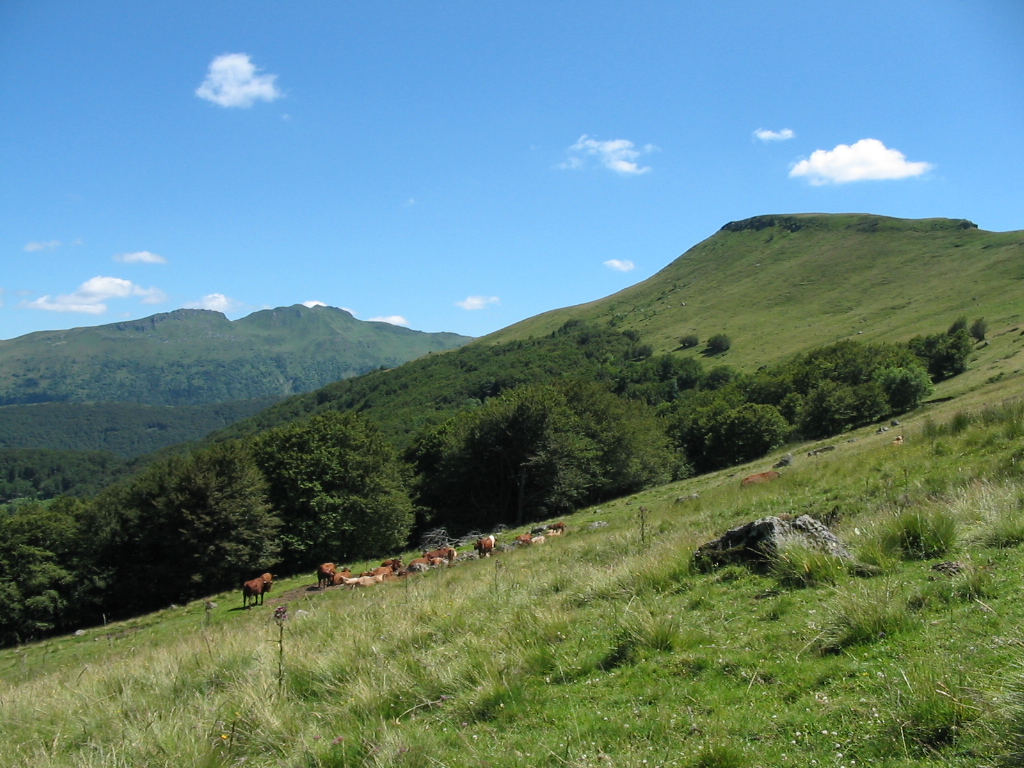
{"x": 340, "y": 576}
{"x": 760, "y": 477}
{"x": 445, "y": 553}
{"x": 255, "y": 589}
{"x": 324, "y": 574}
{"x": 485, "y": 546}
{"x": 525, "y": 538}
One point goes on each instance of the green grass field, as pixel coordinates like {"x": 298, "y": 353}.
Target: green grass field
{"x": 604, "y": 647}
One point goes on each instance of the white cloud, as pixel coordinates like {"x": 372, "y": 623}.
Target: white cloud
{"x": 218, "y": 302}
{"x": 390, "y": 319}
{"x": 313, "y": 303}
{"x": 618, "y": 155}
{"x": 620, "y": 265}
{"x": 92, "y": 296}
{"x": 34, "y": 247}
{"x": 140, "y": 257}
{"x": 868, "y": 159}
{"x": 477, "y": 302}
{"x": 232, "y": 82}
{"x": 765, "y": 135}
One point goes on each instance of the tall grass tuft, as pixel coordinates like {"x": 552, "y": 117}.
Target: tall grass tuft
{"x": 932, "y": 709}
{"x": 864, "y": 613}
{"x": 796, "y": 565}
{"x": 920, "y": 534}
{"x": 641, "y": 632}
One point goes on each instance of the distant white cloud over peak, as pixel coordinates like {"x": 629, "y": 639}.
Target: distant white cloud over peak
{"x": 765, "y": 135}
{"x": 314, "y": 303}
{"x": 218, "y": 302}
{"x": 232, "y": 82}
{"x": 620, "y": 265}
{"x": 391, "y": 320}
{"x": 619, "y": 155}
{"x": 140, "y": 257}
{"x": 92, "y": 296}
{"x": 35, "y": 246}
{"x": 867, "y": 160}
{"x": 477, "y": 302}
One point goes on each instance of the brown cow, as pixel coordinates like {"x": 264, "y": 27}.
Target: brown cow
{"x": 394, "y": 562}
{"x": 485, "y": 546}
{"x": 445, "y": 553}
{"x": 557, "y": 529}
{"x": 760, "y": 477}
{"x": 324, "y": 574}
{"x": 255, "y": 589}
{"x": 524, "y": 539}
{"x": 340, "y": 576}
{"x": 381, "y": 570}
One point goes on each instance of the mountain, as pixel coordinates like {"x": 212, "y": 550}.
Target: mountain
{"x": 196, "y": 357}
{"x": 775, "y": 285}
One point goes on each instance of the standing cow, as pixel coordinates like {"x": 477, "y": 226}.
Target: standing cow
{"x": 255, "y": 589}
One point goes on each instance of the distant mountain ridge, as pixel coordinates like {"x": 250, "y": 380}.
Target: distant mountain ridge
{"x": 199, "y": 357}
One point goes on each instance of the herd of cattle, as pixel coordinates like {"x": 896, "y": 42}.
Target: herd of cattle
{"x": 329, "y": 575}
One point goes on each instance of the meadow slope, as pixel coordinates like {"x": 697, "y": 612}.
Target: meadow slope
{"x": 605, "y": 646}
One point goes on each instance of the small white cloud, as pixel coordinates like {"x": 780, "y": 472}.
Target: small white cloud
{"x": 390, "y": 319}
{"x": 92, "y": 296}
{"x": 140, "y": 257}
{"x": 35, "y": 247}
{"x": 218, "y": 302}
{"x": 765, "y": 135}
{"x": 867, "y": 160}
{"x": 618, "y": 155}
{"x": 232, "y": 82}
{"x": 313, "y": 303}
{"x": 620, "y": 265}
{"x": 477, "y": 302}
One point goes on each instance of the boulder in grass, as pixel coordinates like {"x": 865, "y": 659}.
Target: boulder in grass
{"x": 759, "y": 541}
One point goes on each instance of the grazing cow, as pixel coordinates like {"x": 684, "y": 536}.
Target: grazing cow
{"x": 760, "y": 477}
{"x": 485, "y": 546}
{"x": 324, "y": 574}
{"x": 524, "y": 539}
{"x": 556, "y": 529}
{"x": 255, "y": 589}
{"x": 898, "y": 440}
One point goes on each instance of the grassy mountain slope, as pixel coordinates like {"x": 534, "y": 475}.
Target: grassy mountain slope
{"x": 193, "y": 357}
{"x": 604, "y": 646}
{"x": 776, "y": 285}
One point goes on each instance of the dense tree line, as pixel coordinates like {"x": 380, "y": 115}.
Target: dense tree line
{"x": 594, "y": 416}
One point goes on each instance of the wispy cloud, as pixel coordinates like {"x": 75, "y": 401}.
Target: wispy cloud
{"x": 92, "y": 296}
{"x": 390, "y": 319}
{"x": 765, "y": 135}
{"x": 232, "y": 82}
{"x": 619, "y": 155}
{"x": 35, "y": 247}
{"x": 620, "y": 265}
{"x": 218, "y": 302}
{"x": 140, "y": 257}
{"x": 477, "y": 302}
{"x": 867, "y": 160}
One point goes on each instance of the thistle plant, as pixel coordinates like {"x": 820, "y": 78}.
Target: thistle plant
{"x": 280, "y": 616}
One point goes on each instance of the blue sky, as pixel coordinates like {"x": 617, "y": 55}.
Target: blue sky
{"x": 460, "y": 166}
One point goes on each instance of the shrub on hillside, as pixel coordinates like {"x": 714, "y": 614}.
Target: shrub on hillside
{"x": 905, "y": 388}
{"x": 978, "y": 329}
{"x": 689, "y": 341}
{"x": 719, "y": 343}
